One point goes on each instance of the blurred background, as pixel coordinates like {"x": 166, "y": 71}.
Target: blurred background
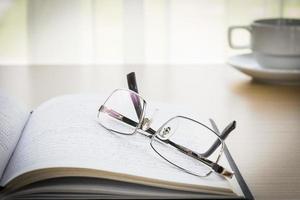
{"x": 177, "y": 49}
{"x": 127, "y": 31}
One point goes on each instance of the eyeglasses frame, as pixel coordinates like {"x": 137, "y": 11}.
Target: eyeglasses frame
{"x": 151, "y": 133}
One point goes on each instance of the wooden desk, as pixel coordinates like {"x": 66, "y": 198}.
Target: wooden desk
{"x": 266, "y": 144}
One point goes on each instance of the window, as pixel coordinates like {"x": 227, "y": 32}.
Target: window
{"x": 127, "y": 31}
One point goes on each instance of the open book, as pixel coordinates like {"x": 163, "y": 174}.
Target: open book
{"x": 60, "y": 150}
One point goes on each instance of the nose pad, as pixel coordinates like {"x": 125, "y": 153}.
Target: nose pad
{"x": 146, "y": 124}
{"x": 164, "y": 133}
{"x": 148, "y": 121}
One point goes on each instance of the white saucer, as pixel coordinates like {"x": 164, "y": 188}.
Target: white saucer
{"x": 248, "y": 65}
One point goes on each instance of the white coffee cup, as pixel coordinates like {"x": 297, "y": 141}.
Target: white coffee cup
{"x": 274, "y": 42}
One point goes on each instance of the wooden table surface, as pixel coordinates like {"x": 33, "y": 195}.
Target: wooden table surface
{"x": 265, "y": 145}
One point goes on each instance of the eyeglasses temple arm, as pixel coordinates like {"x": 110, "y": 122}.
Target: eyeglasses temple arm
{"x": 215, "y": 166}
{"x": 116, "y": 115}
{"x": 229, "y": 128}
{"x": 132, "y": 85}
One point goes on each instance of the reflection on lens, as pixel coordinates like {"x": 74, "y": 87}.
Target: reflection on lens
{"x": 119, "y": 114}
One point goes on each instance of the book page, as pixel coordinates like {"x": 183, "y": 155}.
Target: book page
{"x": 68, "y": 187}
{"x": 64, "y": 132}
{"x": 12, "y": 121}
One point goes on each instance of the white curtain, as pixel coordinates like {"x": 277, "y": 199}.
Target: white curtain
{"x": 128, "y": 31}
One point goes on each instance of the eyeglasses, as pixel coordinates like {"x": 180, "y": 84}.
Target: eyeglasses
{"x": 181, "y": 141}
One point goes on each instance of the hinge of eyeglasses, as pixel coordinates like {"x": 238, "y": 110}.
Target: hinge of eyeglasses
{"x": 221, "y": 170}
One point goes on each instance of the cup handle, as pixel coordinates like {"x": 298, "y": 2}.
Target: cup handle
{"x": 230, "y": 31}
